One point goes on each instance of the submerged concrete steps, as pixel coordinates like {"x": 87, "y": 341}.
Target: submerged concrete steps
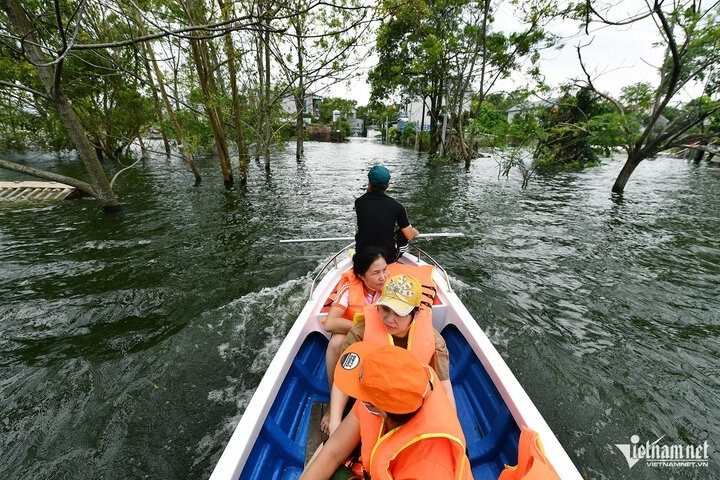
{"x": 31, "y": 190}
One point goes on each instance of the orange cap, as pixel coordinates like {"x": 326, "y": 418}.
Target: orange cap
{"x": 389, "y": 377}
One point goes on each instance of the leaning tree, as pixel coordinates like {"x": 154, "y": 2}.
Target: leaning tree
{"x": 690, "y": 35}
{"x": 44, "y": 45}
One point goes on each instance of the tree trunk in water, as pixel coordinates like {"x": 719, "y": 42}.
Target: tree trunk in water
{"x": 299, "y": 126}
{"x": 435, "y": 125}
{"x": 624, "y": 175}
{"x": 259, "y": 109}
{"x": 169, "y": 108}
{"x": 159, "y": 107}
{"x": 205, "y": 70}
{"x": 173, "y": 119}
{"x": 257, "y": 98}
{"x": 53, "y": 177}
{"x": 101, "y": 188}
{"x": 86, "y": 152}
{"x": 468, "y": 161}
{"x": 207, "y": 85}
{"x": 243, "y": 154}
{"x": 266, "y": 99}
{"x": 300, "y": 92}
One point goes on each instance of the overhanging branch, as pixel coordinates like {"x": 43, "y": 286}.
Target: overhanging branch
{"x": 54, "y": 177}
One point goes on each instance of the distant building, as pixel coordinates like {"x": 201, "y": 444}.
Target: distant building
{"x": 311, "y": 105}
{"x": 525, "y": 106}
{"x": 515, "y": 110}
{"x": 356, "y": 124}
{"x": 416, "y": 111}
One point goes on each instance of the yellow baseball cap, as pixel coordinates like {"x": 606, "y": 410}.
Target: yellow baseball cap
{"x": 401, "y": 293}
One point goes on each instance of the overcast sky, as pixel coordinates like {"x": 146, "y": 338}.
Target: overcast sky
{"x": 616, "y": 57}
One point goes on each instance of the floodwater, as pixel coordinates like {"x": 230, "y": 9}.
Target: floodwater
{"x": 131, "y": 344}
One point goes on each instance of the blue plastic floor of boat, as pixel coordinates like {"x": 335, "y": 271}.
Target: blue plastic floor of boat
{"x": 490, "y": 430}
{"x": 279, "y": 452}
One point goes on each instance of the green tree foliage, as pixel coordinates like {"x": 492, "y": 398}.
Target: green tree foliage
{"x": 414, "y": 47}
{"x": 320, "y": 48}
{"x": 329, "y": 105}
{"x": 44, "y": 46}
{"x": 689, "y": 32}
{"x": 637, "y": 97}
{"x": 345, "y": 127}
{"x": 488, "y": 125}
{"x": 378, "y": 113}
{"x": 102, "y": 84}
{"x": 22, "y": 110}
{"x": 527, "y": 127}
{"x": 608, "y": 133}
{"x": 567, "y": 143}
{"x": 442, "y": 51}
{"x": 198, "y": 133}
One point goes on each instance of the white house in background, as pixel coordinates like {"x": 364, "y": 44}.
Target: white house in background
{"x": 311, "y": 105}
{"x": 415, "y": 111}
{"x": 524, "y": 106}
{"x": 515, "y": 110}
{"x": 357, "y": 124}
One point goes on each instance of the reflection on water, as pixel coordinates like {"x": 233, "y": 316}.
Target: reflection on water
{"x": 130, "y": 344}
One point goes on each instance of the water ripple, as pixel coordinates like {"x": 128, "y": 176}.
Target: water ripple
{"x": 131, "y": 338}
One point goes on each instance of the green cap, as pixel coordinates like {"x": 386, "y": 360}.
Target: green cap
{"x": 379, "y": 176}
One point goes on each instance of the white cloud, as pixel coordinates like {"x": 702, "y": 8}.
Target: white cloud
{"x": 358, "y": 90}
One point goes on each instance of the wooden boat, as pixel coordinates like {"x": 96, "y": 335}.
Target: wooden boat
{"x": 270, "y": 439}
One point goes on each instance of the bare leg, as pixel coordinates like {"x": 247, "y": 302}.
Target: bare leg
{"x": 332, "y": 354}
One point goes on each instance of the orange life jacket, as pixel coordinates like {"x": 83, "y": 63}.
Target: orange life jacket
{"x": 436, "y": 419}
{"x": 421, "y": 337}
{"x": 532, "y": 463}
{"x": 421, "y": 342}
{"x": 356, "y": 293}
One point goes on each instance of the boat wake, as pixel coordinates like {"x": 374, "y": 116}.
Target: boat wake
{"x": 252, "y": 327}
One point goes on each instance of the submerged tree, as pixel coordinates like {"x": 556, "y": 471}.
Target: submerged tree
{"x": 237, "y": 100}
{"x": 442, "y": 52}
{"x": 690, "y": 35}
{"x": 567, "y": 140}
{"x": 413, "y": 50}
{"x": 321, "y": 46}
{"x": 88, "y": 75}
{"x": 167, "y": 104}
{"x": 207, "y": 71}
{"x": 45, "y": 50}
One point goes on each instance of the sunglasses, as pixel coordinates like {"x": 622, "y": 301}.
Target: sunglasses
{"x": 372, "y": 409}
